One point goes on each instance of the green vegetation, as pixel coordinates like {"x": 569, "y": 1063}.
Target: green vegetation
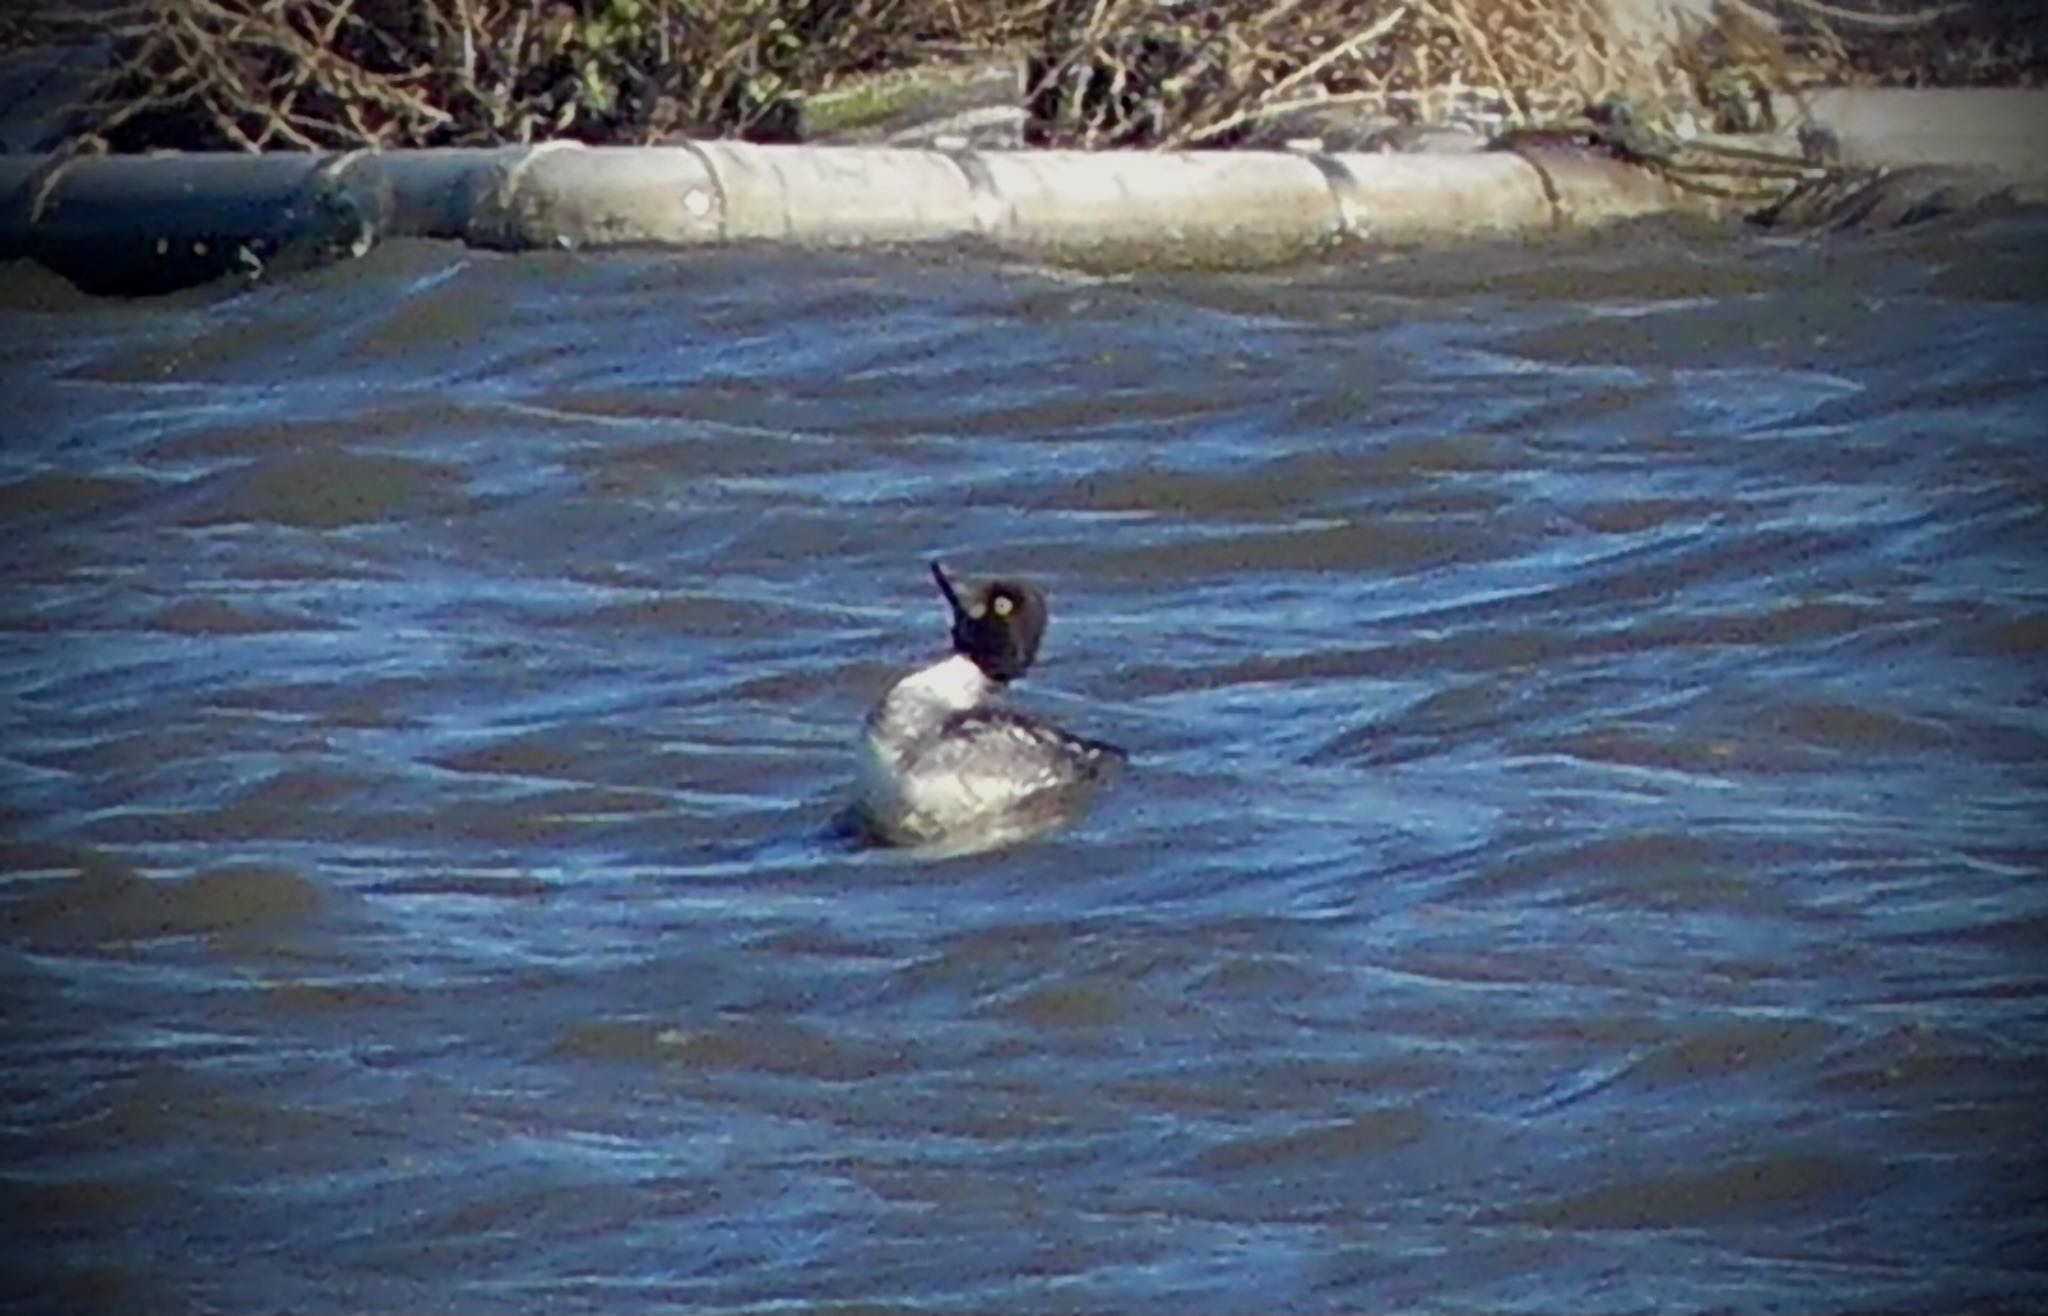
{"x": 858, "y": 103}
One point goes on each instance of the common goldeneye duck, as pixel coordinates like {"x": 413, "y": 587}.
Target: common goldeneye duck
{"x": 940, "y": 763}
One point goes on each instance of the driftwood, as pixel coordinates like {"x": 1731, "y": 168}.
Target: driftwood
{"x": 253, "y": 75}
{"x": 1171, "y": 75}
{"x": 384, "y": 74}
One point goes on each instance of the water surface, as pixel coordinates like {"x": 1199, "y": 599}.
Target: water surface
{"x": 1584, "y": 848}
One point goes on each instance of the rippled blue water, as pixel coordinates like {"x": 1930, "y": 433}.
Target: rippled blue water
{"x": 1584, "y": 848}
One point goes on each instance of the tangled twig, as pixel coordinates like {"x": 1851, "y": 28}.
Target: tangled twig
{"x": 371, "y": 74}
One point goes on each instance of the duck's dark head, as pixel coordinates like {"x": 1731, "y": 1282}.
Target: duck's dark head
{"x": 997, "y": 625}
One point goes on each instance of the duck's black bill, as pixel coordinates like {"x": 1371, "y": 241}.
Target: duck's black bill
{"x": 946, "y": 588}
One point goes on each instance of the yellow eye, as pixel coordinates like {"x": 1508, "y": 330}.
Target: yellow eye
{"x": 1003, "y": 606}
{"x": 976, "y": 611}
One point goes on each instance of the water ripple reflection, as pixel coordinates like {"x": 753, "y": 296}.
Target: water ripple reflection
{"x": 1583, "y": 852}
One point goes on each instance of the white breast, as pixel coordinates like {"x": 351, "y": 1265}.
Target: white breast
{"x": 901, "y": 802}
